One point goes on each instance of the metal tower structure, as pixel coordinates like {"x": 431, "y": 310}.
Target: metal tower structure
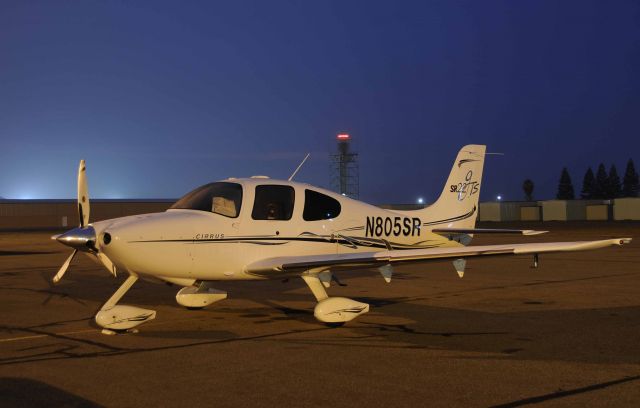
{"x": 344, "y": 168}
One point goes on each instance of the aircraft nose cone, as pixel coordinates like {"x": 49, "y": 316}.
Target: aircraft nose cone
{"x": 81, "y": 238}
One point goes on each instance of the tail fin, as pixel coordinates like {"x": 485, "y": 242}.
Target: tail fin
{"x": 457, "y": 206}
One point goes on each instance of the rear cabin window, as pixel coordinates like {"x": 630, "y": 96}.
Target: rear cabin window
{"x": 273, "y": 202}
{"x": 219, "y": 198}
{"x": 318, "y": 206}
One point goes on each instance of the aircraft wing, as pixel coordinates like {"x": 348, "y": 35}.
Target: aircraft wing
{"x": 291, "y": 265}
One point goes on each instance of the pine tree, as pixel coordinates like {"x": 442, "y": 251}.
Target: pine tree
{"x": 630, "y": 183}
{"x": 614, "y": 189}
{"x": 565, "y": 187}
{"x": 602, "y": 179}
{"x": 588, "y": 185}
{"x": 527, "y": 186}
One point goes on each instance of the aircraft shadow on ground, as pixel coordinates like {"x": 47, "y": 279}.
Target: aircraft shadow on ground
{"x": 518, "y": 335}
{"x": 546, "y": 334}
{"x": 566, "y": 335}
{"x": 24, "y": 392}
{"x": 566, "y": 393}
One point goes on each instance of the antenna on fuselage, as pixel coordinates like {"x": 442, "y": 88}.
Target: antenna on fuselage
{"x": 300, "y": 165}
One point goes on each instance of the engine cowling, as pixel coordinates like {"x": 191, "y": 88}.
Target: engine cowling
{"x": 339, "y": 310}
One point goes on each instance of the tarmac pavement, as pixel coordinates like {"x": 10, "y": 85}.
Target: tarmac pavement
{"x": 565, "y": 334}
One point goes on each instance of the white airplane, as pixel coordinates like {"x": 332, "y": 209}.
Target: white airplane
{"x": 260, "y": 228}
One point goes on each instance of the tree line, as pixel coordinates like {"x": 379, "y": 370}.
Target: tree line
{"x": 601, "y": 185}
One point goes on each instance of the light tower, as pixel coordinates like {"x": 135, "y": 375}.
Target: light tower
{"x": 344, "y": 168}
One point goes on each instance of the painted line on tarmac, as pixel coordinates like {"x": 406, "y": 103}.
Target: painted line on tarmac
{"x": 39, "y": 336}
{"x": 23, "y": 338}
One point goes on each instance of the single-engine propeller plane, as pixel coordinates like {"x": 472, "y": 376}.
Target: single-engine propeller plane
{"x": 261, "y": 228}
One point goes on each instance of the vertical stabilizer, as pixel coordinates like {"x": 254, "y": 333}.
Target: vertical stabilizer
{"x": 457, "y": 206}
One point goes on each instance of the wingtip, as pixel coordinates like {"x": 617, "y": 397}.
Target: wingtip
{"x": 622, "y": 241}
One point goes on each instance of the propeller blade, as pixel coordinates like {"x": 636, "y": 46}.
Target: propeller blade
{"x": 83, "y": 195}
{"x": 64, "y": 267}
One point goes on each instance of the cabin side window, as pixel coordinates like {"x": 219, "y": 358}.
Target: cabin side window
{"x": 318, "y": 206}
{"x": 219, "y": 198}
{"x": 273, "y": 202}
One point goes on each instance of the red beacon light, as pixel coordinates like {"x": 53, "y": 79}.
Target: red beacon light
{"x": 343, "y": 136}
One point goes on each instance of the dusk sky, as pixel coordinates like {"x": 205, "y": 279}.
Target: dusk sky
{"x": 160, "y": 97}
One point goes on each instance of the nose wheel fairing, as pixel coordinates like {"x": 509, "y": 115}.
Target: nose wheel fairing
{"x": 121, "y": 318}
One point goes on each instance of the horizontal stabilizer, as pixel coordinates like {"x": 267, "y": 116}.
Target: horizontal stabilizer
{"x": 452, "y": 231}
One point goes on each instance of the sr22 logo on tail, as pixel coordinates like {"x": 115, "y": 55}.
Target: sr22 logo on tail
{"x": 466, "y": 188}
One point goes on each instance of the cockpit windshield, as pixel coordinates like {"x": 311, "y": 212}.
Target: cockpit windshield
{"x": 221, "y": 198}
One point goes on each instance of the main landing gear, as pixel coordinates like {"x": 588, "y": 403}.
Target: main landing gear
{"x": 334, "y": 311}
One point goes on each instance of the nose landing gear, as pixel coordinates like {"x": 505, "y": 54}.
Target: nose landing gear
{"x": 122, "y": 318}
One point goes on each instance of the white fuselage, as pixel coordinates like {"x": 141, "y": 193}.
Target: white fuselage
{"x": 186, "y": 245}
